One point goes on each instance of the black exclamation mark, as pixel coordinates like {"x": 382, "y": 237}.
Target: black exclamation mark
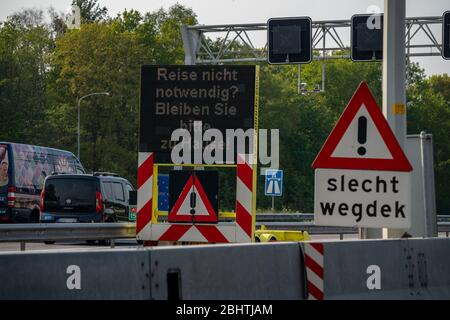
{"x": 362, "y": 134}
{"x": 193, "y": 201}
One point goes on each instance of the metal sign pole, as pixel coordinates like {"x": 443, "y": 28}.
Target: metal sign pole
{"x": 273, "y": 204}
{"x": 394, "y": 96}
{"x": 394, "y": 78}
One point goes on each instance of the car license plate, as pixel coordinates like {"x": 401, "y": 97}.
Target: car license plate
{"x": 132, "y": 214}
{"x": 67, "y": 220}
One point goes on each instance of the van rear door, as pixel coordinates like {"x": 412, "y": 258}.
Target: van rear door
{"x": 70, "y": 195}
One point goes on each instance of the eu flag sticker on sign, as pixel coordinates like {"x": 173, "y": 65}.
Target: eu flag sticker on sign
{"x": 274, "y": 183}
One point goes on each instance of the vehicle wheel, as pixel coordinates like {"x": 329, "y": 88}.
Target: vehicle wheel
{"x": 91, "y": 241}
{"x": 107, "y": 242}
{"x": 49, "y": 242}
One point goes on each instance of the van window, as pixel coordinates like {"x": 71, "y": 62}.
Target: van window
{"x": 128, "y": 188}
{"x": 33, "y": 163}
{"x": 70, "y": 194}
{"x": 118, "y": 191}
{"x": 79, "y": 170}
{"x": 63, "y": 163}
{"x": 108, "y": 190}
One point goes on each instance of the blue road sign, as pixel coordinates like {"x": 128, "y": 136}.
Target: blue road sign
{"x": 274, "y": 183}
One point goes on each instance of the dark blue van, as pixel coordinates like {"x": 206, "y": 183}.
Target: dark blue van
{"x": 23, "y": 169}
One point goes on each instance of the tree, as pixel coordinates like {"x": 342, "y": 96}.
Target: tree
{"x": 429, "y": 110}
{"x": 306, "y": 120}
{"x": 127, "y": 21}
{"x": 165, "y": 31}
{"x": 91, "y": 11}
{"x": 25, "y": 47}
{"x": 96, "y": 59}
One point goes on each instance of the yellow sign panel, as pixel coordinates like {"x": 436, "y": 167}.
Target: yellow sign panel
{"x": 398, "y": 108}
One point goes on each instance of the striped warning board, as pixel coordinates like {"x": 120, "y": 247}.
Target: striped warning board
{"x": 314, "y": 270}
{"x": 241, "y": 231}
{"x": 144, "y": 194}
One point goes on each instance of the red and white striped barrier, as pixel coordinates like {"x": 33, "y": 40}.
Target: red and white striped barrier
{"x": 241, "y": 231}
{"x": 244, "y": 199}
{"x": 144, "y": 195}
{"x": 314, "y": 270}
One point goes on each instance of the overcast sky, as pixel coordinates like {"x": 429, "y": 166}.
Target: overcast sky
{"x": 251, "y": 11}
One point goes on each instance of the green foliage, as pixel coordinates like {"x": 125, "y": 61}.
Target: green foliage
{"x": 25, "y": 48}
{"x": 96, "y": 59}
{"x": 306, "y": 120}
{"x": 429, "y": 110}
{"x": 91, "y": 11}
{"x": 165, "y": 31}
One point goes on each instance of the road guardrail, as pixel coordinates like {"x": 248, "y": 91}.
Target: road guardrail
{"x": 123, "y": 230}
{"x": 41, "y": 232}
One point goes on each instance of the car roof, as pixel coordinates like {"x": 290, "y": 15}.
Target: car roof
{"x": 39, "y": 146}
{"x": 85, "y": 176}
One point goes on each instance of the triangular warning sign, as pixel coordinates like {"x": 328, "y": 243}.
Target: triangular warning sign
{"x": 193, "y": 204}
{"x": 362, "y": 139}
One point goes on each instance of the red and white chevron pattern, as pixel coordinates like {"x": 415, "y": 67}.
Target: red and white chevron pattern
{"x": 144, "y": 195}
{"x": 244, "y": 199}
{"x": 314, "y": 270}
{"x": 217, "y": 233}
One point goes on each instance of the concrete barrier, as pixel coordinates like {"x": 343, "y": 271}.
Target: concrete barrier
{"x": 247, "y": 271}
{"x": 102, "y": 274}
{"x": 369, "y": 269}
{"x": 406, "y": 269}
{"x": 431, "y": 272}
{"x": 239, "y": 271}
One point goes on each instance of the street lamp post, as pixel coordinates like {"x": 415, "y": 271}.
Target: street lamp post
{"x": 78, "y": 126}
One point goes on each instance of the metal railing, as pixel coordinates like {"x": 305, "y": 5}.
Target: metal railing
{"x": 43, "y": 232}
{"x": 124, "y": 230}
{"x": 66, "y": 231}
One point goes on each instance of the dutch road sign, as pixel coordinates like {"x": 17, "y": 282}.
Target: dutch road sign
{"x": 274, "y": 183}
{"x": 193, "y": 203}
{"x": 361, "y": 173}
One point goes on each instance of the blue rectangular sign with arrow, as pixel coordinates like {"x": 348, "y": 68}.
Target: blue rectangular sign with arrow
{"x": 273, "y": 183}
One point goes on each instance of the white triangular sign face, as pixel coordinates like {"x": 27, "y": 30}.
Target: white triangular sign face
{"x": 185, "y": 208}
{"x": 362, "y": 139}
